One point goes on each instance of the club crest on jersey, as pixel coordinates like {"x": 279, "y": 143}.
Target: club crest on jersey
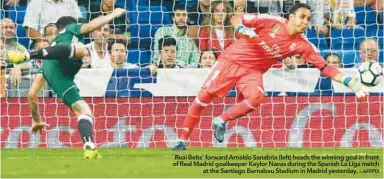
{"x": 275, "y": 30}
{"x": 292, "y": 47}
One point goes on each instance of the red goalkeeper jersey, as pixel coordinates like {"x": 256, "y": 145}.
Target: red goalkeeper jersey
{"x": 272, "y": 45}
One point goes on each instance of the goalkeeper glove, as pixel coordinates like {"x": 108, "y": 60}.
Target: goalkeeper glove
{"x": 356, "y": 86}
{"x": 250, "y": 32}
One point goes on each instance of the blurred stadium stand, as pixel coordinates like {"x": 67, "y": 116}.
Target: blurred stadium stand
{"x": 145, "y": 17}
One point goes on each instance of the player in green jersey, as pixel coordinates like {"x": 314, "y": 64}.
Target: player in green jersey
{"x": 63, "y": 60}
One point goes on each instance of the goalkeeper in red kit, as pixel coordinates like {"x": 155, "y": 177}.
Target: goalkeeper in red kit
{"x": 266, "y": 40}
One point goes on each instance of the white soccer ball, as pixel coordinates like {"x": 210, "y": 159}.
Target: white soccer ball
{"x": 370, "y": 73}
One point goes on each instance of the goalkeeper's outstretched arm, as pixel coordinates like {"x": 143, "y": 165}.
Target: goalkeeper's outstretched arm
{"x": 310, "y": 54}
{"x": 237, "y": 24}
{"x": 353, "y": 83}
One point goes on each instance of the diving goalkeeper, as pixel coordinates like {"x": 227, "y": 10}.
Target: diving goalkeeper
{"x": 276, "y": 39}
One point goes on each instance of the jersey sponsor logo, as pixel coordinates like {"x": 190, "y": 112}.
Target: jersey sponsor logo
{"x": 274, "y": 50}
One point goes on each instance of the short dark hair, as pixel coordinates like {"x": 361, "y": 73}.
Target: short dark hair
{"x": 62, "y": 22}
{"x": 213, "y": 50}
{"x": 116, "y": 41}
{"x": 297, "y": 6}
{"x": 179, "y": 7}
{"x": 166, "y": 41}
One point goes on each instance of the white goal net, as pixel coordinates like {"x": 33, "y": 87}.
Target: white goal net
{"x": 138, "y": 109}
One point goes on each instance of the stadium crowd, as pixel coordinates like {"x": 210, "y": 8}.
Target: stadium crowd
{"x": 180, "y": 34}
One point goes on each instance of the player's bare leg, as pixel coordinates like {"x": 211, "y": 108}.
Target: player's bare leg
{"x": 85, "y": 125}
{"x": 194, "y": 112}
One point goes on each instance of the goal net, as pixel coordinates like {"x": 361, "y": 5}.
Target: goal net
{"x": 136, "y": 109}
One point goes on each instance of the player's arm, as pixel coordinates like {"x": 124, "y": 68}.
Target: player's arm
{"x": 246, "y": 24}
{"x": 33, "y": 34}
{"x": 102, "y": 20}
{"x": 310, "y": 54}
{"x": 33, "y": 94}
{"x": 351, "y": 82}
{"x": 74, "y": 51}
{"x": 238, "y": 24}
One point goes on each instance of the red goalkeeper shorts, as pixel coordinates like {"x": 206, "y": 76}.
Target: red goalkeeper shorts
{"x": 225, "y": 74}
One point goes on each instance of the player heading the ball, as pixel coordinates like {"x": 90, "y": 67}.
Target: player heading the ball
{"x": 63, "y": 60}
{"x": 74, "y": 51}
{"x": 266, "y": 41}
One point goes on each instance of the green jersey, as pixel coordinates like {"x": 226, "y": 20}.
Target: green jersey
{"x": 71, "y": 34}
{"x": 60, "y": 74}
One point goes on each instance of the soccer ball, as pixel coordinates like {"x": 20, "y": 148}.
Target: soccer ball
{"x": 370, "y": 73}
{"x": 16, "y": 56}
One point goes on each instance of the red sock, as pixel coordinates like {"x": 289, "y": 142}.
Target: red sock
{"x": 194, "y": 113}
{"x": 191, "y": 119}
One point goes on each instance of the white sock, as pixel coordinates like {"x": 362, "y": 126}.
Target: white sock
{"x": 90, "y": 145}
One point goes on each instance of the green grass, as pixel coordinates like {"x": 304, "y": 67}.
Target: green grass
{"x": 154, "y": 163}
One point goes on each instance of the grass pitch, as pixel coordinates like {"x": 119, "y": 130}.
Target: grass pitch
{"x": 159, "y": 163}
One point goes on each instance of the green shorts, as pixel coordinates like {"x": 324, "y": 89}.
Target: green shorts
{"x": 61, "y": 83}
